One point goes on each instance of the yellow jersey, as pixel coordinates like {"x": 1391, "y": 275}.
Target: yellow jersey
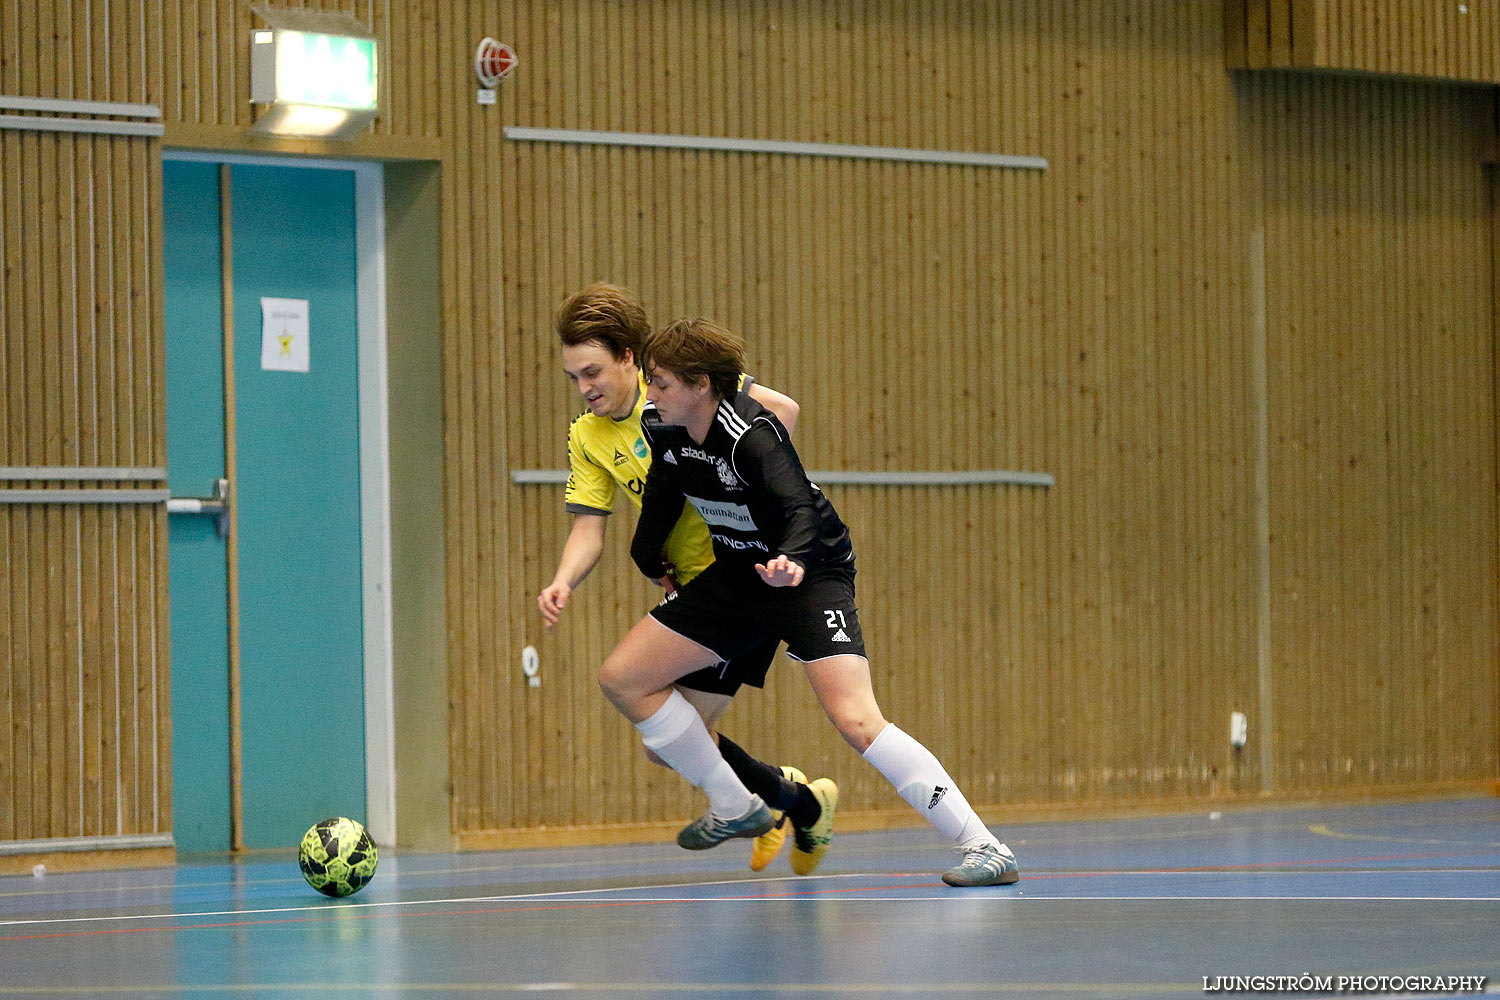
{"x": 605, "y": 454}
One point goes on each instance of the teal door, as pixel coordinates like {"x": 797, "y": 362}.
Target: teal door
{"x": 297, "y": 490}
{"x": 195, "y": 460}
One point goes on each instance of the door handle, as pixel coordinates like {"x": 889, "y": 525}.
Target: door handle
{"x": 216, "y": 506}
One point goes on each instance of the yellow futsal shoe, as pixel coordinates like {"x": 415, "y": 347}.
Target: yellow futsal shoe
{"x": 768, "y": 844}
{"x": 809, "y": 844}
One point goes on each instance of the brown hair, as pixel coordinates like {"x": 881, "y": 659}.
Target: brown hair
{"x": 606, "y": 313}
{"x": 696, "y": 347}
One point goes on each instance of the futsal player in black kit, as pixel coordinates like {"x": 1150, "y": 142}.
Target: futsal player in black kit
{"x": 783, "y": 566}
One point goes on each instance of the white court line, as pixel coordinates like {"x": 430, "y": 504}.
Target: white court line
{"x": 1008, "y": 896}
{"x": 330, "y": 906}
{"x": 1246, "y": 899}
{"x": 59, "y": 891}
{"x": 1257, "y": 870}
{"x": 615, "y": 988}
{"x": 1307, "y": 872}
{"x": 296, "y": 877}
{"x": 606, "y": 896}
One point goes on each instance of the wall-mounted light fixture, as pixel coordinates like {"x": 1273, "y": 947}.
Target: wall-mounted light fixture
{"x": 315, "y": 74}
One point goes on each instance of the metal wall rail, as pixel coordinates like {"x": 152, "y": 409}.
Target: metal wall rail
{"x": 82, "y": 473}
{"x": 82, "y": 494}
{"x": 731, "y": 145}
{"x": 960, "y": 477}
{"x": 113, "y": 842}
{"x": 100, "y": 117}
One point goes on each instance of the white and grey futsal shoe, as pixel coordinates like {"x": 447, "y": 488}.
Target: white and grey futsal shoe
{"x": 990, "y": 864}
{"x": 709, "y": 830}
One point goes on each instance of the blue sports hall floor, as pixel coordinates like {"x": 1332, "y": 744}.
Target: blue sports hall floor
{"x": 1196, "y": 903}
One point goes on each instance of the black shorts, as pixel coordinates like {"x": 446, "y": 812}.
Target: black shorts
{"x": 731, "y": 616}
{"x": 726, "y": 676}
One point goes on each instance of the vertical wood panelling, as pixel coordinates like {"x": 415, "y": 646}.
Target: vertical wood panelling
{"x": 82, "y": 644}
{"x": 1427, "y": 38}
{"x": 824, "y": 308}
{"x": 86, "y": 732}
{"x": 1438, "y": 39}
{"x": 202, "y": 71}
{"x": 1129, "y": 318}
{"x": 1382, "y": 416}
{"x": 1084, "y": 643}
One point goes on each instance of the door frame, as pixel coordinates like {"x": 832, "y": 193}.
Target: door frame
{"x": 374, "y": 468}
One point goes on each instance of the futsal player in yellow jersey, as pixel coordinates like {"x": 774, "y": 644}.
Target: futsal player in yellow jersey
{"x": 606, "y": 453}
{"x": 602, "y": 329}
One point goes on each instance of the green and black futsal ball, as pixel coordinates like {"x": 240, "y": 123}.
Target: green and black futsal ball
{"x": 337, "y": 856}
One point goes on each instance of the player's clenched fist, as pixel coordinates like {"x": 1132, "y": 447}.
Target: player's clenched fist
{"x": 552, "y": 600}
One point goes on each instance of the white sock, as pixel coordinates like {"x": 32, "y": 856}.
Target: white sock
{"x": 927, "y": 788}
{"x": 677, "y": 735}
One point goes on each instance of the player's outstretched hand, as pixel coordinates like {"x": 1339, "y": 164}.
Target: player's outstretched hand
{"x": 552, "y": 600}
{"x": 780, "y": 572}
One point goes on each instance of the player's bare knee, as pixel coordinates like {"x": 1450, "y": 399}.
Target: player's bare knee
{"x": 614, "y": 679}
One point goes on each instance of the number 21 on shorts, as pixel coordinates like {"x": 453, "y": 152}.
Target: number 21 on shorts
{"x": 836, "y": 619}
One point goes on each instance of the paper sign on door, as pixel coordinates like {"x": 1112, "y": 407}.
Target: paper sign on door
{"x": 284, "y": 330}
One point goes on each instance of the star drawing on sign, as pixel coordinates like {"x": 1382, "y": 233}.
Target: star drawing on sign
{"x": 286, "y": 343}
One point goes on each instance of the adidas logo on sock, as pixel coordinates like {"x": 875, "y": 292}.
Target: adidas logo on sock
{"x": 937, "y": 796}
{"x": 841, "y": 636}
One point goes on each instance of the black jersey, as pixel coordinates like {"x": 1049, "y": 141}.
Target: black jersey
{"x": 747, "y": 482}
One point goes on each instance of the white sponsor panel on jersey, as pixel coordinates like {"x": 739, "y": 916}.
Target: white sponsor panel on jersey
{"x": 725, "y": 515}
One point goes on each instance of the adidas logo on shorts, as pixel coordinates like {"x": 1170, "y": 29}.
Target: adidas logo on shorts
{"x": 841, "y": 636}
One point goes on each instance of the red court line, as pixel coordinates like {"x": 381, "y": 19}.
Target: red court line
{"x": 830, "y": 892}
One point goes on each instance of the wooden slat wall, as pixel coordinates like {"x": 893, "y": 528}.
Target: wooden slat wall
{"x": 1428, "y": 38}
{"x": 202, "y": 73}
{"x": 1083, "y": 644}
{"x": 1381, "y": 347}
{"x": 1097, "y": 321}
{"x": 1087, "y": 643}
{"x": 83, "y": 672}
{"x": 85, "y": 741}
{"x": 1436, "y": 39}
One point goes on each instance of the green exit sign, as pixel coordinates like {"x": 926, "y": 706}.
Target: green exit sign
{"x": 303, "y": 67}
{"x": 330, "y": 70}
{"x": 313, "y": 84}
